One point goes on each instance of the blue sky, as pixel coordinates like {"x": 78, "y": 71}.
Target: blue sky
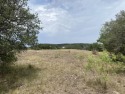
{"x": 74, "y": 21}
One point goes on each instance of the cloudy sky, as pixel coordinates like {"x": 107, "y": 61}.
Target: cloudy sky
{"x": 74, "y": 21}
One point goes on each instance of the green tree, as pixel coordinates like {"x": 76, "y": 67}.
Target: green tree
{"x": 96, "y": 46}
{"x": 113, "y": 34}
{"x": 18, "y": 28}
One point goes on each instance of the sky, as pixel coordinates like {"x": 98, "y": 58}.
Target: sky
{"x": 73, "y": 21}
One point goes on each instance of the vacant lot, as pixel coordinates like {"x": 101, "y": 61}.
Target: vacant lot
{"x": 63, "y": 72}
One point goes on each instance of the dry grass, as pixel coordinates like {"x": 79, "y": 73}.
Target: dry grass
{"x": 62, "y": 72}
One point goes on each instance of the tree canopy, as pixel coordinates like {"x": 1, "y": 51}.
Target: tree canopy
{"x": 18, "y": 28}
{"x": 113, "y": 34}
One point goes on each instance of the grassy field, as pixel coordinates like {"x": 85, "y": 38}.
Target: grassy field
{"x": 63, "y": 72}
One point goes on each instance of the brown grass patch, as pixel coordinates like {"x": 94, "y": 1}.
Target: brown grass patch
{"x": 60, "y": 72}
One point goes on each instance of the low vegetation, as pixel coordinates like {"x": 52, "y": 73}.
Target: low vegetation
{"x": 107, "y": 74}
{"x": 64, "y": 72}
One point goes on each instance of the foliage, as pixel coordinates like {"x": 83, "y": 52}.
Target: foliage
{"x": 83, "y": 46}
{"x": 44, "y": 46}
{"x": 18, "y": 28}
{"x": 102, "y": 67}
{"x": 96, "y": 46}
{"x": 103, "y": 63}
{"x": 113, "y": 34}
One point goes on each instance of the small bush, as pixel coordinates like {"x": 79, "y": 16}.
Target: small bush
{"x": 101, "y": 67}
{"x": 120, "y": 57}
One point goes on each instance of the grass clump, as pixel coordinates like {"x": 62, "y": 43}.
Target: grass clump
{"x": 99, "y": 83}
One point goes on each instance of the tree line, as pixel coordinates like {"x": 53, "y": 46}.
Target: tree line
{"x": 80, "y": 46}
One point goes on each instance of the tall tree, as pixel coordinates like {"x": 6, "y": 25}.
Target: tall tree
{"x": 18, "y": 28}
{"x": 113, "y": 34}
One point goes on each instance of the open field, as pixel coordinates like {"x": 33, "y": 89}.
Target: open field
{"x": 63, "y": 72}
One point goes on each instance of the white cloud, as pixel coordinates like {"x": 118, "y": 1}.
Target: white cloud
{"x": 54, "y": 19}
{"x": 68, "y": 18}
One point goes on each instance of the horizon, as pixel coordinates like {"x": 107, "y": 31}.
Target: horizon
{"x": 64, "y": 21}
{"x": 66, "y": 43}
